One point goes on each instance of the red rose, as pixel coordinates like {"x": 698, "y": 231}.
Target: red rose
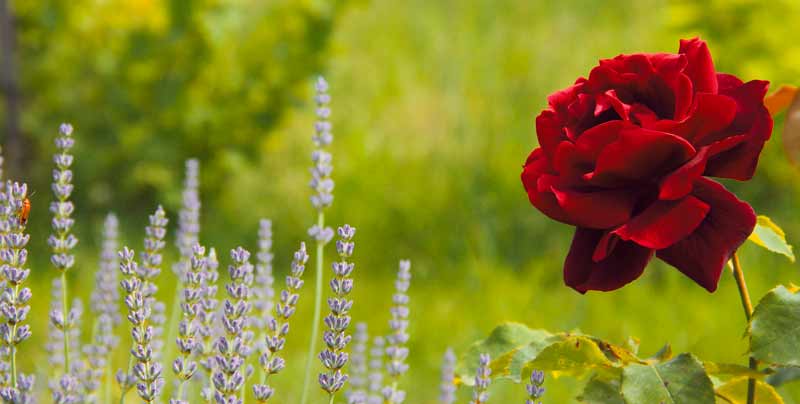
{"x": 625, "y": 154}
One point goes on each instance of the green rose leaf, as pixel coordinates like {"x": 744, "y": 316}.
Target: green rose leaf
{"x": 574, "y": 355}
{"x": 510, "y": 345}
{"x": 775, "y": 327}
{"x": 599, "y": 391}
{"x": 784, "y": 375}
{"x": 735, "y": 392}
{"x": 769, "y": 235}
{"x": 680, "y": 380}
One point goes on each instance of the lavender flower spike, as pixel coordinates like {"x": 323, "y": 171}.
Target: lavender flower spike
{"x": 376, "y": 354}
{"x": 322, "y": 185}
{"x": 263, "y": 289}
{"x": 151, "y": 258}
{"x": 270, "y": 361}
{"x": 448, "y": 388}
{"x": 146, "y": 370}
{"x": 397, "y": 352}
{"x": 189, "y": 216}
{"x": 184, "y": 366}
{"x": 334, "y": 357}
{"x": 62, "y": 241}
{"x": 321, "y": 181}
{"x": 185, "y": 238}
{"x": 358, "y": 365}
{"x": 480, "y": 393}
{"x": 234, "y": 346}
{"x": 105, "y": 308}
{"x": 208, "y": 320}
{"x": 14, "y": 301}
{"x": 535, "y": 389}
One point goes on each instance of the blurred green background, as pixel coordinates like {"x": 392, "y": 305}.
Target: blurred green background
{"x": 433, "y": 108}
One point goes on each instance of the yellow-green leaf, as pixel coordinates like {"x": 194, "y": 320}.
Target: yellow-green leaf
{"x": 574, "y": 355}
{"x": 729, "y": 369}
{"x": 735, "y": 392}
{"x": 769, "y": 235}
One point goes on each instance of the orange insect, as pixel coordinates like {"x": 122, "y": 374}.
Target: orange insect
{"x": 25, "y": 211}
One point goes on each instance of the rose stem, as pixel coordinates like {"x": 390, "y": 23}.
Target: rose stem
{"x": 738, "y": 274}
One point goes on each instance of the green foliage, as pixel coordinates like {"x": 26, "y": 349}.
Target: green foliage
{"x": 680, "y": 380}
{"x": 770, "y": 236}
{"x": 775, "y": 327}
{"x": 151, "y": 83}
{"x": 618, "y": 374}
{"x": 511, "y": 345}
{"x": 600, "y": 391}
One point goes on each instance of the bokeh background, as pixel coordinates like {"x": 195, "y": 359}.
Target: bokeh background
{"x": 433, "y": 108}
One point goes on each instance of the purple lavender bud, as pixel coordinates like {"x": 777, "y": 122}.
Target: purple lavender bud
{"x": 376, "y": 354}
{"x": 262, "y": 392}
{"x": 480, "y": 393}
{"x": 396, "y": 351}
{"x": 15, "y": 298}
{"x": 334, "y": 357}
{"x": 65, "y": 129}
{"x": 184, "y": 366}
{"x": 321, "y": 183}
{"x": 535, "y": 389}
{"x": 141, "y": 307}
{"x": 62, "y": 241}
{"x": 263, "y": 288}
{"x": 447, "y": 393}
{"x": 270, "y": 361}
{"x": 189, "y": 216}
{"x": 235, "y": 346}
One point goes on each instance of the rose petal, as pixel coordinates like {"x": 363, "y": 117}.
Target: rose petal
{"x": 679, "y": 183}
{"x": 593, "y": 140}
{"x": 605, "y": 246}
{"x": 639, "y": 154}
{"x": 700, "y": 66}
{"x": 753, "y": 119}
{"x": 597, "y": 209}
{"x": 623, "y": 265}
{"x": 702, "y": 255}
{"x": 609, "y": 101}
{"x": 664, "y": 223}
{"x": 711, "y": 114}
{"x": 534, "y": 174}
{"x": 727, "y": 81}
{"x": 549, "y": 131}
